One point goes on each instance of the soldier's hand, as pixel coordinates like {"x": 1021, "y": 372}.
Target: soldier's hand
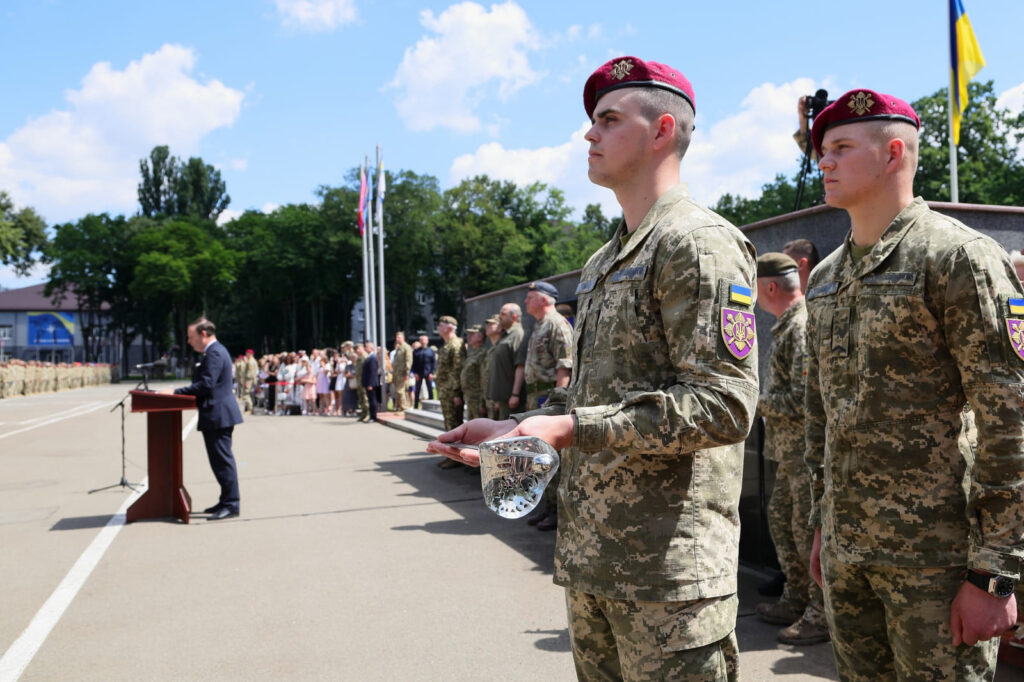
{"x": 471, "y": 433}
{"x": 977, "y": 616}
{"x": 513, "y": 402}
{"x": 815, "y": 566}
{"x": 555, "y": 431}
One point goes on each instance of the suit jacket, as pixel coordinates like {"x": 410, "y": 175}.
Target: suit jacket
{"x": 371, "y": 371}
{"x": 213, "y": 389}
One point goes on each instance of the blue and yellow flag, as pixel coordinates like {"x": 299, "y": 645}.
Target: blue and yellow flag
{"x": 965, "y": 60}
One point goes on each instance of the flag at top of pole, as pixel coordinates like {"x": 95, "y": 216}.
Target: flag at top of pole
{"x": 362, "y": 198}
{"x": 965, "y": 60}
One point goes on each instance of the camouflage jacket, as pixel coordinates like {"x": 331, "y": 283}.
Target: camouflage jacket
{"x": 929, "y": 319}
{"x": 549, "y": 349}
{"x": 782, "y": 401}
{"x": 449, "y": 367}
{"x": 471, "y": 378}
{"x": 664, "y": 389}
{"x": 402, "y": 363}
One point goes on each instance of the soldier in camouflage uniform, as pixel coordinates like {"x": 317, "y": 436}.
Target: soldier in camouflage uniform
{"x": 472, "y": 377}
{"x": 400, "y": 367}
{"x": 492, "y": 330}
{"x": 364, "y": 400}
{"x": 3, "y": 379}
{"x": 782, "y": 405}
{"x": 662, "y": 395}
{"x": 912, "y": 316}
{"x": 449, "y": 372}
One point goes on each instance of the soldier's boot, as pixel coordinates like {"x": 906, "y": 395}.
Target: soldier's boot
{"x": 810, "y": 629}
{"x": 786, "y": 611}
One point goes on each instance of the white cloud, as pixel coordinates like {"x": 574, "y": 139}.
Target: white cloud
{"x": 9, "y": 279}
{"x": 737, "y": 154}
{"x": 316, "y": 15}
{"x": 563, "y": 166}
{"x": 227, "y": 215}
{"x": 743, "y": 151}
{"x": 472, "y": 54}
{"x": 1012, "y": 99}
{"x": 85, "y": 158}
{"x": 270, "y": 207}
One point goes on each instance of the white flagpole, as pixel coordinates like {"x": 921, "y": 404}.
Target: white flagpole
{"x": 371, "y": 306}
{"x": 366, "y": 278}
{"x": 381, "y": 190}
{"x": 954, "y": 189}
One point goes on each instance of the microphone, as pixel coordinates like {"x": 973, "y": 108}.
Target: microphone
{"x": 150, "y": 365}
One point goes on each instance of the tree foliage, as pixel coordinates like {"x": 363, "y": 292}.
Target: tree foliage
{"x": 170, "y": 188}
{"x": 22, "y": 235}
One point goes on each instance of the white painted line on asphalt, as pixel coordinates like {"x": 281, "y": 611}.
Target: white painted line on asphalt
{"x": 53, "y": 420}
{"x": 61, "y": 414}
{"x": 23, "y": 650}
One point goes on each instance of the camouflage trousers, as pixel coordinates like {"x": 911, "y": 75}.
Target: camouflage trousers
{"x": 475, "y": 404}
{"x": 634, "y": 641}
{"x": 453, "y": 416}
{"x": 399, "y": 395}
{"x": 500, "y": 410}
{"x": 788, "y": 511}
{"x": 892, "y": 623}
{"x": 364, "y": 402}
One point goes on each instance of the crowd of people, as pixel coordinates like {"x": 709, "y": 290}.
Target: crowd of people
{"x": 21, "y": 377}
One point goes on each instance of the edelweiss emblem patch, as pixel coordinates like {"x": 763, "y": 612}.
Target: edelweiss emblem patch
{"x": 622, "y": 69}
{"x": 860, "y": 103}
{"x": 738, "y": 332}
{"x": 1015, "y": 328}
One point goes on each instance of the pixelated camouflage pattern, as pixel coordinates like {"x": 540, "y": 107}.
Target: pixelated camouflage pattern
{"x": 549, "y": 349}
{"x": 892, "y": 623}
{"x": 653, "y": 641}
{"x": 401, "y": 365}
{"x": 648, "y": 504}
{"x": 472, "y": 378}
{"x": 448, "y": 380}
{"x": 485, "y": 371}
{"x": 897, "y": 343}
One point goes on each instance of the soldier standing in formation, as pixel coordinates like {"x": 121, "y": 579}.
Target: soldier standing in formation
{"x": 782, "y": 405}
{"x": 662, "y": 396}
{"x": 913, "y": 316}
{"x": 449, "y": 372}
{"x": 492, "y": 330}
{"x": 472, "y": 377}
{"x": 424, "y": 363}
{"x": 503, "y": 361}
{"x": 400, "y": 367}
{"x": 805, "y": 253}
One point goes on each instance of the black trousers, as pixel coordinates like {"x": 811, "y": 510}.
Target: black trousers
{"x": 420, "y": 378}
{"x": 371, "y": 397}
{"x": 222, "y": 461}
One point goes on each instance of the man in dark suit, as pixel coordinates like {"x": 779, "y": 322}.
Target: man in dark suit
{"x": 218, "y": 412}
{"x": 424, "y": 362}
{"x": 371, "y": 380}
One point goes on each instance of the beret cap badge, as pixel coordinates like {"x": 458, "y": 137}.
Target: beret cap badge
{"x": 622, "y": 69}
{"x": 860, "y": 103}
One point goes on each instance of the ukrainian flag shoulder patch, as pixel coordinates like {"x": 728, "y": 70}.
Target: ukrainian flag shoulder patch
{"x": 742, "y": 295}
{"x": 1016, "y": 306}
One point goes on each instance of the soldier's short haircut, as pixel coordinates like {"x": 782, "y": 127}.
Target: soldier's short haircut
{"x": 654, "y": 102}
{"x": 888, "y": 130}
{"x": 204, "y": 325}
{"x": 802, "y": 248}
{"x": 788, "y": 282}
{"x": 514, "y": 309}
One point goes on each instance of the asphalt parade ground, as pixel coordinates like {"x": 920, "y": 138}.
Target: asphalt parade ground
{"x": 354, "y": 558}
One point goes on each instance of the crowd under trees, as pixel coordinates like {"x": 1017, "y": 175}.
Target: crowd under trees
{"x": 290, "y": 278}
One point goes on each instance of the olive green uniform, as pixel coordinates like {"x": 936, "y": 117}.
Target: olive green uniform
{"x": 400, "y": 367}
{"x": 472, "y": 381}
{"x": 502, "y": 371}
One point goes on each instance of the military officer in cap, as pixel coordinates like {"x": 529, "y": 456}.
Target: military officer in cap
{"x": 449, "y": 372}
{"x": 472, "y": 376}
{"x": 662, "y": 395}
{"x": 492, "y": 330}
{"x": 501, "y": 383}
{"x": 400, "y": 367}
{"x": 548, "y": 357}
{"x": 782, "y": 405}
{"x": 913, "y": 316}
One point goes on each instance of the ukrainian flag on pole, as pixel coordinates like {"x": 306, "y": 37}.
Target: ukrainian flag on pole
{"x": 965, "y": 61}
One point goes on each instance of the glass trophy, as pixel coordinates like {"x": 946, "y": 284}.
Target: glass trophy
{"x": 514, "y": 473}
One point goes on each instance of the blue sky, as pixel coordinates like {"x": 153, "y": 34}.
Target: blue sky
{"x": 286, "y": 95}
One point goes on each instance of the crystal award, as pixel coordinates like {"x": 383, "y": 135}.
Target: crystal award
{"x": 514, "y": 473}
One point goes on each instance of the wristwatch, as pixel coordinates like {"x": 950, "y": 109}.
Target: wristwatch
{"x": 997, "y": 585}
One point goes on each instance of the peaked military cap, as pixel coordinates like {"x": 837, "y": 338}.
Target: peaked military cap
{"x": 773, "y": 264}
{"x": 544, "y": 288}
{"x": 493, "y": 319}
{"x": 448, "y": 319}
{"x": 857, "y": 106}
{"x": 474, "y": 329}
{"x": 633, "y": 72}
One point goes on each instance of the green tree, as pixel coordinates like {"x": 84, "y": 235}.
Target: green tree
{"x": 989, "y": 167}
{"x": 777, "y": 197}
{"x": 581, "y": 240}
{"x": 170, "y": 188}
{"x": 22, "y": 235}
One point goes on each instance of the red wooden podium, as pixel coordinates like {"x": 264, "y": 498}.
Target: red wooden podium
{"x": 166, "y": 495}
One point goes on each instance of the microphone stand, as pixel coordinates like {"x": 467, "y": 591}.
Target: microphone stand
{"x": 124, "y": 479}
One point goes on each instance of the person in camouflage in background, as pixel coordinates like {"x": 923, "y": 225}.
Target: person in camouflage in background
{"x": 662, "y": 396}
{"x": 449, "y": 371}
{"x": 400, "y": 367}
{"x": 913, "y": 316}
{"x": 472, "y": 377}
{"x": 492, "y": 330}
{"x": 782, "y": 405}
{"x": 364, "y": 400}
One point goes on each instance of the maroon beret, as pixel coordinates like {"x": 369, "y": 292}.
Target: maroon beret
{"x": 861, "y": 105}
{"x": 632, "y": 72}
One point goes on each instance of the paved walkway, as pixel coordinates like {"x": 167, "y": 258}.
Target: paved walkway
{"x": 355, "y": 558}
